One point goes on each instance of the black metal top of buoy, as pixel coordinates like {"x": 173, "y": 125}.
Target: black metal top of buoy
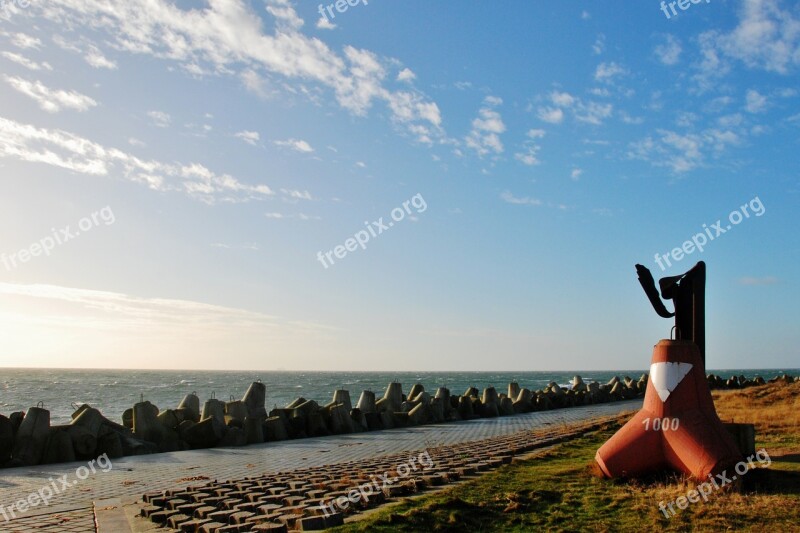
{"x": 688, "y": 294}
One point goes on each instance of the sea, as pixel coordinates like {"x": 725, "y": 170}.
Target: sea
{"x": 113, "y": 391}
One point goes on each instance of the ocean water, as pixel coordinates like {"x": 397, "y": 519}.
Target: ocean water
{"x": 113, "y": 391}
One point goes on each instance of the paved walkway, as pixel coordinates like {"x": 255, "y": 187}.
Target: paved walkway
{"x": 71, "y": 509}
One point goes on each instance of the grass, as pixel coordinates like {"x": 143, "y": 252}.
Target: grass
{"x": 558, "y": 489}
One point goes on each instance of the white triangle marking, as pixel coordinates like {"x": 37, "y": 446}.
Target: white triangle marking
{"x": 666, "y": 376}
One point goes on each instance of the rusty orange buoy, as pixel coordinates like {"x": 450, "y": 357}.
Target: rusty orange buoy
{"x": 678, "y": 426}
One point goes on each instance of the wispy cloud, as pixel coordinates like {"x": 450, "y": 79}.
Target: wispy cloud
{"x": 529, "y": 154}
{"x": 25, "y": 62}
{"x": 66, "y": 150}
{"x": 487, "y": 128}
{"x": 507, "y": 197}
{"x": 606, "y": 72}
{"x": 51, "y": 100}
{"x": 298, "y": 145}
{"x": 25, "y": 41}
{"x": 250, "y": 137}
{"x": 160, "y": 119}
{"x": 227, "y": 38}
{"x": 590, "y": 112}
{"x": 669, "y": 52}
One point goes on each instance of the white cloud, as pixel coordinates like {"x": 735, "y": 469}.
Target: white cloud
{"x": 767, "y": 37}
{"x": 133, "y": 141}
{"x": 86, "y": 49}
{"x": 25, "y": 41}
{"x": 295, "y": 194}
{"x": 562, "y": 99}
{"x": 160, "y": 119}
{"x": 525, "y": 200}
{"x": 361, "y": 164}
{"x": 576, "y": 173}
{"x": 756, "y": 102}
{"x": 298, "y": 216}
{"x": 250, "y": 137}
{"x": 325, "y": 24}
{"x": 25, "y": 62}
{"x": 484, "y": 137}
{"x": 406, "y": 75}
{"x": 529, "y": 154}
{"x": 682, "y": 152}
{"x": 589, "y": 112}
{"x": 284, "y": 13}
{"x": 592, "y": 112}
{"x": 244, "y": 246}
{"x": 298, "y": 145}
{"x": 669, "y": 52}
{"x": 606, "y": 72}
{"x": 51, "y": 100}
{"x": 552, "y": 115}
{"x": 628, "y": 119}
{"x": 91, "y": 312}
{"x": 66, "y": 150}
{"x": 599, "y": 45}
{"x": 226, "y": 37}
{"x": 96, "y": 59}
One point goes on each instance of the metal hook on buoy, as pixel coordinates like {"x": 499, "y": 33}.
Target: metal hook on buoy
{"x": 232, "y": 398}
{"x": 213, "y": 395}
{"x": 141, "y": 397}
{"x": 40, "y": 405}
{"x": 675, "y": 331}
{"x": 74, "y": 405}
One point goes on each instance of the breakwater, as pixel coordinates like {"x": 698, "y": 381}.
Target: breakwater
{"x": 28, "y": 438}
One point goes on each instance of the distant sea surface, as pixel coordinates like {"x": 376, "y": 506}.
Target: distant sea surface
{"x": 113, "y": 391}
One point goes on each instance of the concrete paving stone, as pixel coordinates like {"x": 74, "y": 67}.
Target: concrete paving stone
{"x": 271, "y": 528}
{"x": 161, "y": 517}
{"x": 241, "y": 516}
{"x": 204, "y": 511}
{"x": 290, "y": 520}
{"x": 175, "y": 520}
{"x": 221, "y": 516}
{"x": 192, "y": 526}
{"x": 174, "y": 503}
{"x": 211, "y": 527}
{"x": 313, "y": 523}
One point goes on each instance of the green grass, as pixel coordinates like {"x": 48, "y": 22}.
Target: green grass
{"x": 558, "y": 491}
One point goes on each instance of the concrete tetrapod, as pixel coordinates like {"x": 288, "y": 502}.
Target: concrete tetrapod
{"x": 255, "y": 398}
{"x": 191, "y": 403}
{"x": 698, "y": 445}
{"x": 32, "y": 436}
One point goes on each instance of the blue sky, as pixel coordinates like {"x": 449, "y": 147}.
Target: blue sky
{"x": 203, "y": 155}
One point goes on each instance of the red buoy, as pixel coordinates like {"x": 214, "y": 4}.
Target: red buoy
{"x": 678, "y": 426}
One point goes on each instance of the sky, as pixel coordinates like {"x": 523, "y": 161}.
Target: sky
{"x": 450, "y": 185}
